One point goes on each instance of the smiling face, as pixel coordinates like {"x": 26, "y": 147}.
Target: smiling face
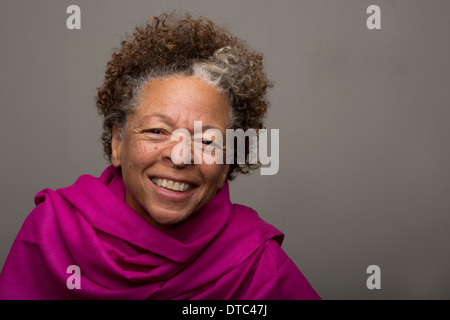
{"x": 162, "y": 192}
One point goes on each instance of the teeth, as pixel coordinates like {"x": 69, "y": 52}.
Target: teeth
{"x": 172, "y": 185}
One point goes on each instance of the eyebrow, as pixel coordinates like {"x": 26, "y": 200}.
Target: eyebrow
{"x": 204, "y": 128}
{"x": 163, "y": 117}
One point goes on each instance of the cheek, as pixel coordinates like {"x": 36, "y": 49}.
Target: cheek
{"x": 140, "y": 154}
{"x": 213, "y": 173}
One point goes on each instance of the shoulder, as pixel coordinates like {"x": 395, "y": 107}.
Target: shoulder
{"x": 248, "y": 222}
{"x": 274, "y": 276}
{"x": 51, "y": 205}
{"x": 289, "y": 283}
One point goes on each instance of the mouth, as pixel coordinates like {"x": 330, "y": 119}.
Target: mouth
{"x": 172, "y": 185}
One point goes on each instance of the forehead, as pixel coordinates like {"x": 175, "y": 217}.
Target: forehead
{"x": 182, "y": 101}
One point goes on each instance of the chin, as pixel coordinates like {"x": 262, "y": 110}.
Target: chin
{"x": 167, "y": 220}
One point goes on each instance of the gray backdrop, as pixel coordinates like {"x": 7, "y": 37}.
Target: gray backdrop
{"x": 363, "y": 116}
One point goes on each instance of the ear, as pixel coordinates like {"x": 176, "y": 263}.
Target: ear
{"x": 223, "y": 178}
{"x": 116, "y": 146}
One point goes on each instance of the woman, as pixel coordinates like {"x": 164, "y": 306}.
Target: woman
{"x": 150, "y": 227}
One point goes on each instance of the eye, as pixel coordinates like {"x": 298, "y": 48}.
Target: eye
{"x": 153, "y": 131}
{"x": 207, "y": 142}
{"x": 155, "y": 134}
{"x": 213, "y": 144}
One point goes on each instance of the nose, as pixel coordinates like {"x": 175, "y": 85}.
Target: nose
{"x": 177, "y": 153}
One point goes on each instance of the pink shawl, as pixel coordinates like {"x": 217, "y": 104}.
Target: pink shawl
{"x": 225, "y": 251}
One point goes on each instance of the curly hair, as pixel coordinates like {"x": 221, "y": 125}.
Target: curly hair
{"x": 169, "y": 47}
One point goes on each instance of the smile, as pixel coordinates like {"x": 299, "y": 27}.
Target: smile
{"x": 172, "y": 185}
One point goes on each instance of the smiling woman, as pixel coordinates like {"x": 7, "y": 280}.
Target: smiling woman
{"x": 150, "y": 227}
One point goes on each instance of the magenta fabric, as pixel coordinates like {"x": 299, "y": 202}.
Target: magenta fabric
{"x": 225, "y": 251}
